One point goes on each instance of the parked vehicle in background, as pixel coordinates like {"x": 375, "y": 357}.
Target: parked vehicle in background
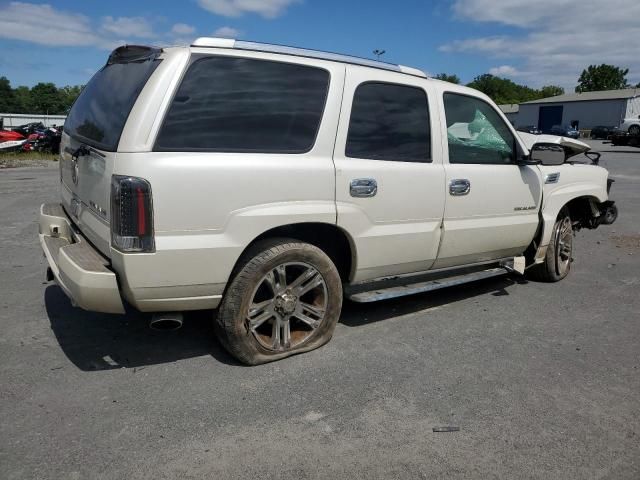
{"x": 626, "y": 139}
{"x": 631, "y": 125}
{"x": 532, "y": 129}
{"x": 8, "y": 135}
{"x": 31, "y": 137}
{"x": 602, "y": 132}
{"x": 269, "y": 182}
{"x": 11, "y": 141}
{"x": 29, "y": 128}
{"x": 564, "y": 131}
{"x": 47, "y": 140}
{"x": 12, "y": 145}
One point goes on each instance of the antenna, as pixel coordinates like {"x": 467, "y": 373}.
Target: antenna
{"x": 379, "y": 53}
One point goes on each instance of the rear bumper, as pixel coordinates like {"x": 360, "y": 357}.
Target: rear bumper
{"x": 78, "y": 268}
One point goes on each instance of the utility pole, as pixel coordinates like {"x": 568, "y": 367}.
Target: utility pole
{"x": 378, "y": 53}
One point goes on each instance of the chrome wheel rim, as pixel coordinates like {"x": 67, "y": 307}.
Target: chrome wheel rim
{"x": 288, "y": 304}
{"x": 564, "y": 246}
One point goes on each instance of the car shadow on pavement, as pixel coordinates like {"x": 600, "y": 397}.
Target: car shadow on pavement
{"x": 357, "y": 314}
{"x": 98, "y": 341}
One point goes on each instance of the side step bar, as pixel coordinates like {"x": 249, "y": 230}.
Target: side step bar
{"x": 429, "y": 285}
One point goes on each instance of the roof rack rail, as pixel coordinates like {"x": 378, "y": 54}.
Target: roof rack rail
{"x": 303, "y": 52}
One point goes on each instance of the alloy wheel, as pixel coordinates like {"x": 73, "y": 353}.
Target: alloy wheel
{"x": 564, "y": 246}
{"x": 288, "y": 304}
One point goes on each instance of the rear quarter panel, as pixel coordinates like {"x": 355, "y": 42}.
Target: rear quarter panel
{"x": 208, "y": 206}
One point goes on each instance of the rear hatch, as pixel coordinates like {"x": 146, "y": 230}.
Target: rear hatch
{"x": 92, "y": 132}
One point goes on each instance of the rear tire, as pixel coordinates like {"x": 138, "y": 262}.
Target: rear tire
{"x": 610, "y": 215}
{"x": 284, "y": 298}
{"x": 557, "y": 261}
{"x": 634, "y": 130}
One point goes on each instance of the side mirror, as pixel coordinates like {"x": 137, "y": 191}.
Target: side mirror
{"x": 548, "y": 153}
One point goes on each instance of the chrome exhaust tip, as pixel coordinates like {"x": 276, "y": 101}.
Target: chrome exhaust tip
{"x": 166, "y": 321}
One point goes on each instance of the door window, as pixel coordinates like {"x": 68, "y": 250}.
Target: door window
{"x": 389, "y": 122}
{"x": 476, "y": 133}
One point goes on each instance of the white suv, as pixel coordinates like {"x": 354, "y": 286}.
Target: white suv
{"x": 268, "y": 181}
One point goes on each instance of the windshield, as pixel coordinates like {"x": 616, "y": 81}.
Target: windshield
{"x": 100, "y": 112}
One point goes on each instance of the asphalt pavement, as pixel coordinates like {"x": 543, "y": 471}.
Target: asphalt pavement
{"x": 543, "y": 380}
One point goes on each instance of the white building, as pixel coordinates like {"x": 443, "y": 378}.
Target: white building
{"x": 607, "y": 107}
{"x": 10, "y": 120}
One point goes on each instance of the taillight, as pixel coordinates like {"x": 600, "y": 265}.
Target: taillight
{"x": 131, "y": 214}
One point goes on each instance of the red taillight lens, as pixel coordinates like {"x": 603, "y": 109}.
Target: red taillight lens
{"x": 131, "y": 214}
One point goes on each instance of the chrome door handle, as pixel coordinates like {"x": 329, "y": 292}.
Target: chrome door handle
{"x": 459, "y": 186}
{"x": 363, "y": 187}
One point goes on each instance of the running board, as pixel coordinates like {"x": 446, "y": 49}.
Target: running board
{"x": 427, "y": 286}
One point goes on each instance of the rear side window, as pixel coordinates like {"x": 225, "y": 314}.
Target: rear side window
{"x": 232, "y": 104}
{"x": 100, "y": 112}
{"x": 389, "y": 122}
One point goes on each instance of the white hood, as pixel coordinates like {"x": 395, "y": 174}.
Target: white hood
{"x": 575, "y": 146}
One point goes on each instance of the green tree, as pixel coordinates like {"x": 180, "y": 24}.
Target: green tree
{"x": 503, "y": 90}
{"x": 68, "y": 95}
{"x": 7, "y": 98}
{"x": 602, "y": 77}
{"x": 46, "y": 99}
{"x": 448, "y": 78}
{"x": 551, "y": 91}
{"x": 22, "y": 97}
{"x": 43, "y": 98}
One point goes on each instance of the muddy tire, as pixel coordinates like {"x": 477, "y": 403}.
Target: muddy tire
{"x": 284, "y": 298}
{"x": 557, "y": 261}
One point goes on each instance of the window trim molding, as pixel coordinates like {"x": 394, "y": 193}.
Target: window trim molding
{"x": 428, "y": 159}
{"x": 197, "y": 57}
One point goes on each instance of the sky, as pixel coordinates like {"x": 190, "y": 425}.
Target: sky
{"x": 532, "y": 42}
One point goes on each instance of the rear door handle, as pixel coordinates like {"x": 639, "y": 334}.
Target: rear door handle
{"x": 459, "y": 186}
{"x": 363, "y": 187}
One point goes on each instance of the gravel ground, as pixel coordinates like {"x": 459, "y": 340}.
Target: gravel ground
{"x": 30, "y": 159}
{"x": 542, "y": 379}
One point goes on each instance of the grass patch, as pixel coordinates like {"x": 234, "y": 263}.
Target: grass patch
{"x": 29, "y": 156}
{"x": 26, "y": 159}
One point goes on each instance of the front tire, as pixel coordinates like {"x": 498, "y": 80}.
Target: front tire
{"x": 285, "y": 298}
{"x": 634, "y": 130}
{"x": 557, "y": 261}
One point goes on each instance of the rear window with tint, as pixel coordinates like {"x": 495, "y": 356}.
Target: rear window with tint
{"x": 228, "y": 104}
{"x": 100, "y": 112}
{"x": 389, "y": 122}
